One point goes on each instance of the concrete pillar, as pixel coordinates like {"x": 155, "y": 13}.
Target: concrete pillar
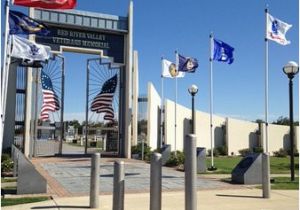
{"x": 94, "y": 184}
{"x": 190, "y": 175}
{"x": 119, "y": 185}
{"x": 135, "y": 95}
{"x": 9, "y": 117}
{"x": 128, "y": 85}
{"x": 29, "y": 123}
{"x": 227, "y": 143}
{"x": 155, "y": 182}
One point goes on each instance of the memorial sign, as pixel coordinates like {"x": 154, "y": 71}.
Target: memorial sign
{"x": 111, "y": 44}
{"x": 248, "y": 170}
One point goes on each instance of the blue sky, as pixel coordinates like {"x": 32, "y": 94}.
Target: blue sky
{"x": 161, "y": 27}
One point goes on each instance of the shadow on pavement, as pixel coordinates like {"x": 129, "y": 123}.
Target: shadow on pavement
{"x": 126, "y": 174}
{"x": 239, "y": 196}
{"x": 60, "y": 207}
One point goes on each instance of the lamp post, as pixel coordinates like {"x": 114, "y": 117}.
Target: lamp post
{"x": 193, "y": 89}
{"x": 291, "y": 69}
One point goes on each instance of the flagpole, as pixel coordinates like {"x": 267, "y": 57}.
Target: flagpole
{"x": 4, "y": 72}
{"x": 162, "y": 104}
{"x": 175, "y": 114}
{"x": 266, "y": 87}
{"x": 177, "y": 65}
{"x": 5, "y": 54}
{"x": 266, "y": 186}
{"x": 211, "y": 103}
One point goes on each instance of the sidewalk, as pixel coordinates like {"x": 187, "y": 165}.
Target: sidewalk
{"x": 232, "y": 199}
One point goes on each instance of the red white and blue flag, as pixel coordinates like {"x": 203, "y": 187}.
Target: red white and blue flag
{"x": 50, "y": 99}
{"x": 102, "y": 103}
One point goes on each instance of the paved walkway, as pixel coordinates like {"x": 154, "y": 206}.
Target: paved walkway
{"x": 68, "y": 183}
{"x": 71, "y": 177}
{"x": 232, "y": 199}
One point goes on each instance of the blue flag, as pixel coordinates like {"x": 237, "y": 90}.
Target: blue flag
{"x": 22, "y": 24}
{"x": 223, "y": 52}
{"x": 187, "y": 64}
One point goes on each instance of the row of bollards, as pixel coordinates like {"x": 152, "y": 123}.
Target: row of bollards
{"x": 190, "y": 167}
{"x": 118, "y": 187}
{"x": 155, "y": 179}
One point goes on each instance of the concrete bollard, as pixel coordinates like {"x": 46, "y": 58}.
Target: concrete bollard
{"x": 155, "y": 182}
{"x": 266, "y": 188}
{"x": 190, "y": 175}
{"x": 119, "y": 185}
{"x": 95, "y": 177}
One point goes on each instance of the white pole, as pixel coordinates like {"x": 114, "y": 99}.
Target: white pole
{"x": 175, "y": 147}
{"x": 266, "y": 186}
{"x": 211, "y": 101}
{"x": 177, "y": 65}
{"x": 266, "y": 87}
{"x": 4, "y": 72}
{"x": 162, "y": 105}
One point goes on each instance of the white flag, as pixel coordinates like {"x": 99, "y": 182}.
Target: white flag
{"x": 276, "y": 30}
{"x": 29, "y": 50}
{"x": 169, "y": 69}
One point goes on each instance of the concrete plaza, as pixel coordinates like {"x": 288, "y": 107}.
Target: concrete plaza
{"x": 232, "y": 199}
{"x": 71, "y": 176}
{"x": 68, "y": 184}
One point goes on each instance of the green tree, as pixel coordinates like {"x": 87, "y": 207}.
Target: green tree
{"x": 259, "y": 121}
{"x": 284, "y": 121}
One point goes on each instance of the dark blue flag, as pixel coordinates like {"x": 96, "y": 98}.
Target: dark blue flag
{"x": 187, "y": 64}
{"x": 223, "y": 52}
{"x": 22, "y": 24}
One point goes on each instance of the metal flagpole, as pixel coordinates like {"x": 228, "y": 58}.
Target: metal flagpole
{"x": 266, "y": 87}
{"x": 211, "y": 103}
{"x": 162, "y": 111}
{"x": 175, "y": 113}
{"x": 266, "y": 186}
{"x": 62, "y": 135}
{"x": 5, "y": 54}
{"x": 87, "y": 106}
{"x": 162, "y": 105}
{"x": 177, "y": 65}
{"x": 4, "y": 72}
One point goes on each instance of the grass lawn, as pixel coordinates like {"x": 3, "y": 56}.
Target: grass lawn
{"x": 4, "y": 180}
{"x": 226, "y": 164}
{"x": 16, "y": 201}
{"x": 284, "y": 183}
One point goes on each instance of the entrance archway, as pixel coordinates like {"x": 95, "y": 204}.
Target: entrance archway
{"x": 108, "y": 36}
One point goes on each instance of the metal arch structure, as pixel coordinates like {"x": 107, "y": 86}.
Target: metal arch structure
{"x": 54, "y": 68}
{"x": 99, "y": 70}
{"x": 108, "y": 36}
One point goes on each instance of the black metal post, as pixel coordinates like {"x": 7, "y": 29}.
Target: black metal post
{"x": 193, "y": 114}
{"x": 62, "y": 130}
{"x": 87, "y": 106}
{"x": 292, "y": 129}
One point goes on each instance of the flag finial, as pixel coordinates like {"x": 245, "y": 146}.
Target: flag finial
{"x": 267, "y": 8}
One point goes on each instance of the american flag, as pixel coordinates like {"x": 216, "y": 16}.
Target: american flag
{"x": 50, "y": 99}
{"x": 102, "y": 103}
